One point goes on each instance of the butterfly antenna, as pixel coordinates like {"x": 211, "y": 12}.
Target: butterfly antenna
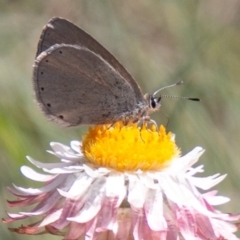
{"x": 173, "y": 85}
{"x": 170, "y": 96}
{"x": 187, "y": 98}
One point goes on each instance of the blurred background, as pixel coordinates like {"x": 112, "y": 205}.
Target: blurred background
{"x": 159, "y": 42}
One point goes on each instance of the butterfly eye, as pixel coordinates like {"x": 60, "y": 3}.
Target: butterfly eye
{"x": 155, "y": 102}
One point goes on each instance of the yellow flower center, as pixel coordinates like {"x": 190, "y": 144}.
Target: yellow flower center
{"x": 129, "y": 147}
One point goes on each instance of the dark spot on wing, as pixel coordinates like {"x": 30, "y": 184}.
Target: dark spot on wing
{"x": 104, "y": 115}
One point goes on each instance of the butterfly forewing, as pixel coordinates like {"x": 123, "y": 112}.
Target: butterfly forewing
{"x": 59, "y": 31}
{"x": 75, "y": 86}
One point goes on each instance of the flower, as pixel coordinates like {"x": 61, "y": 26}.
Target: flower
{"x": 123, "y": 183}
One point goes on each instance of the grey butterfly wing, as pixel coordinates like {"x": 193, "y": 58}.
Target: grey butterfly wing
{"x": 74, "y": 85}
{"x": 60, "y": 30}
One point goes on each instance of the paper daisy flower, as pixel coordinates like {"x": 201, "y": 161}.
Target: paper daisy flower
{"x": 123, "y": 183}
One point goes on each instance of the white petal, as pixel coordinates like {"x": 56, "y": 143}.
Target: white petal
{"x": 33, "y": 175}
{"x": 47, "y": 165}
{"x": 93, "y": 203}
{"x": 36, "y": 191}
{"x": 154, "y": 210}
{"x": 76, "y": 146}
{"x": 192, "y": 171}
{"x": 115, "y": 186}
{"x": 148, "y": 180}
{"x": 59, "y": 147}
{"x": 66, "y": 157}
{"x": 136, "y": 191}
{"x": 16, "y": 216}
{"x": 79, "y": 187}
{"x": 182, "y": 164}
{"x": 95, "y": 172}
{"x": 207, "y": 182}
{"x": 63, "y": 170}
{"x": 216, "y": 200}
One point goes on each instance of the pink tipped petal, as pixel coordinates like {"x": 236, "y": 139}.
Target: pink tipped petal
{"x": 16, "y": 216}
{"x": 107, "y": 214}
{"x": 68, "y": 210}
{"x": 26, "y": 201}
{"x": 204, "y": 226}
{"x": 91, "y": 234}
{"x": 50, "y": 218}
{"x": 186, "y": 223}
{"x": 44, "y": 206}
{"x": 141, "y": 229}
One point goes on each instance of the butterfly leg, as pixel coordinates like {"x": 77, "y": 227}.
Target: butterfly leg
{"x": 148, "y": 121}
